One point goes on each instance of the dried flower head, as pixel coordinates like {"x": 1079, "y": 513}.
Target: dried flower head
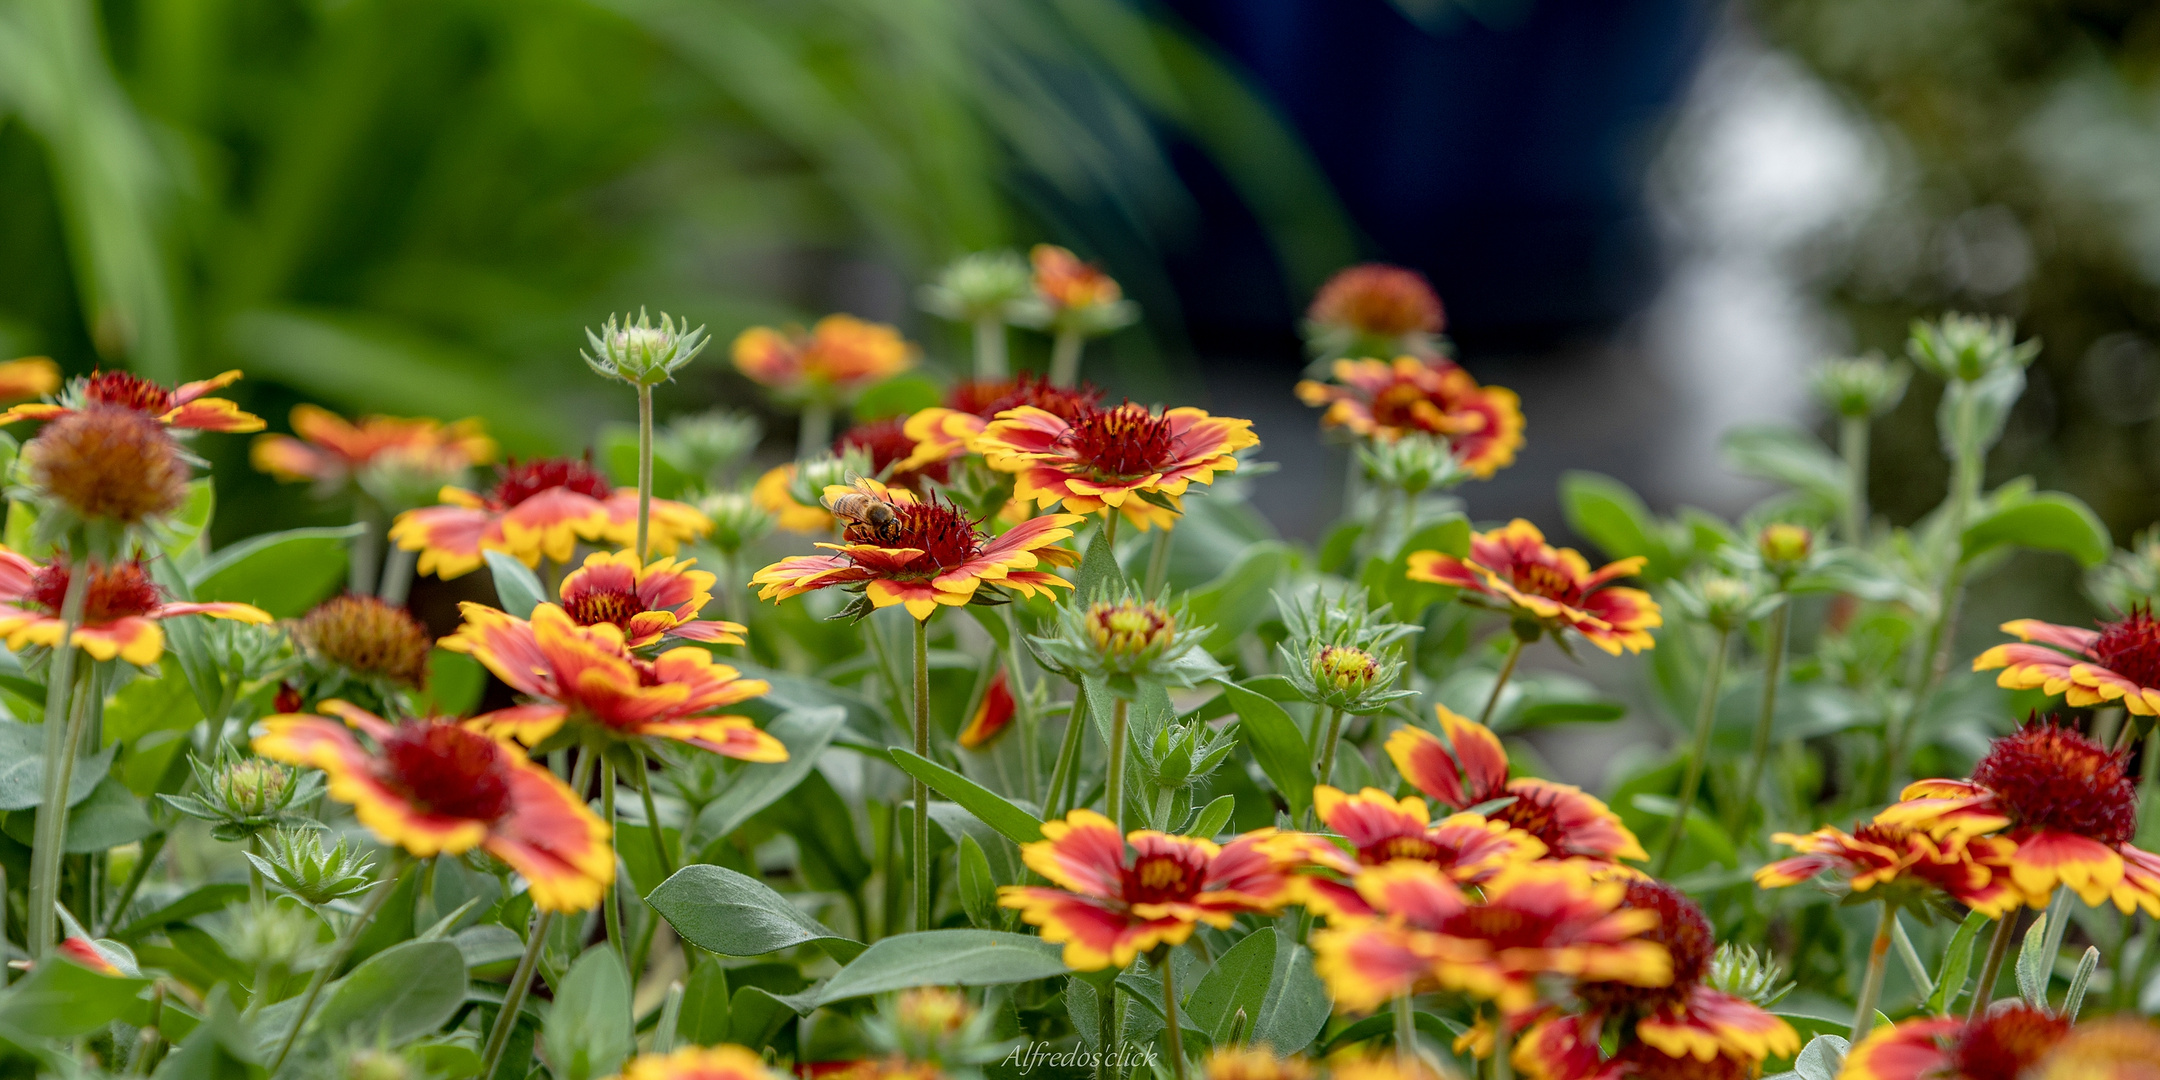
{"x": 108, "y": 464}
{"x": 366, "y": 639}
{"x": 642, "y": 354}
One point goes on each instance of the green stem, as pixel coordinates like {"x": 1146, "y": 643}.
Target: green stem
{"x": 338, "y": 952}
{"x": 1068, "y": 756}
{"x": 1105, "y": 1032}
{"x": 366, "y": 547}
{"x": 61, "y": 735}
{"x": 1023, "y": 705}
{"x": 1065, "y": 358}
{"x": 1117, "y": 767}
{"x": 1405, "y": 1028}
{"x": 990, "y": 348}
{"x": 1698, "y": 753}
{"x": 644, "y": 470}
{"x": 1158, "y": 563}
{"x": 1327, "y": 755}
{"x": 652, "y": 820}
{"x": 1853, "y": 447}
{"x": 514, "y": 995}
{"x": 1170, "y": 1015}
{"x": 152, "y": 846}
{"x": 876, "y": 637}
{"x": 1991, "y": 968}
{"x": 611, "y": 900}
{"x": 1507, "y": 669}
{"x": 922, "y": 790}
{"x": 1111, "y": 514}
{"x": 1503, "y": 1065}
{"x": 397, "y": 576}
{"x": 814, "y": 436}
{"x": 1759, "y": 751}
{"x": 1871, "y": 984}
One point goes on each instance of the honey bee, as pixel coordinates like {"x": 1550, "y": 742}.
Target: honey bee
{"x": 862, "y": 508}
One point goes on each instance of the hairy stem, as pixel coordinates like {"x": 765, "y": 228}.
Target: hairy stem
{"x": 922, "y": 790}
{"x": 338, "y": 952}
{"x": 1068, "y": 756}
{"x": 1158, "y": 563}
{"x": 814, "y": 435}
{"x": 1698, "y": 753}
{"x": 1170, "y": 1016}
{"x": 61, "y": 734}
{"x": 611, "y": 900}
{"x": 1327, "y": 755}
{"x": 514, "y": 995}
{"x": 1507, "y": 669}
{"x": 990, "y": 348}
{"x": 1991, "y": 968}
{"x": 644, "y": 471}
{"x": 1065, "y": 358}
{"x": 1117, "y": 767}
{"x": 1759, "y": 751}
{"x": 652, "y": 820}
{"x": 1878, "y": 962}
{"x": 397, "y": 576}
{"x": 1853, "y": 447}
{"x": 1023, "y": 706}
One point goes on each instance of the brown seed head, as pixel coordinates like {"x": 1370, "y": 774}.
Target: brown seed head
{"x": 369, "y": 637}
{"x": 108, "y": 463}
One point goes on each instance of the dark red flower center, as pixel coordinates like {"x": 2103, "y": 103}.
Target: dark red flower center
{"x": 1385, "y": 301}
{"x": 518, "y": 481}
{"x": 1645, "y": 1062}
{"x": 1126, "y": 441}
{"x": 127, "y": 391}
{"x": 1684, "y": 932}
{"x": 1398, "y": 406}
{"x": 1542, "y": 579}
{"x": 1164, "y": 876}
{"x": 447, "y": 769}
{"x": 1534, "y": 812}
{"x": 887, "y": 443}
{"x": 1415, "y": 846}
{"x": 592, "y": 607}
{"x": 989, "y": 398}
{"x": 1504, "y": 927}
{"x": 2130, "y": 647}
{"x": 116, "y": 592}
{"x": 2005, "y": 1043}
{"x": 2047, "y": 776}
{"x": 946, "y": 536}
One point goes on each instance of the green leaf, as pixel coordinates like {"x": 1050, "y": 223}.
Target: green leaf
{"x": 978, "y": 889}
{"x": 732, "y": 914}
{"x": 1239, "y": 980}
{"x": 283, "y": 573}
{"x": 1823, "y": 1058}
{"x": 1702, "y": 831}
{"x": 516, "y": 587}
{"x": 1609, "y": 514}
{"x": 897, "y": 396}
{"x": 2048, "y": 521}
{"x": 1956, "y": 964}
{"x": 1214, "y": 816}
{"x": 22, "y": 768}
{"x": 588, "y": 1032}
{"x": 185, "y": 526}
{"x": 64, "y": 1000}
{"x": 1388, "y": 580}
{"x": 704, "y": 1019}
{"x": 1276, "y": 744}
{"x": 1241, "y": 597}
{"x": 1297, "y": 1004}
{"x": 401, "y": 993}
{"x": 944, "y": 958}
{"x": 454, "y": 682}
{"x": 806, "y": 732}
{"x": 110, "y": 817}
{"x": 992, "y": 808}
{"x": 201, "y": 901}
{"x": 1789, "y": 456}
{"x": 1098, "y": 569}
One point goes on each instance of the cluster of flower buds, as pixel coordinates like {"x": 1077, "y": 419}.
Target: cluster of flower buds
{"x": 1859, "y": 388}
{"x": 1339, "y": 654}
{"x": 296, "y": 861}
{"x": 640, "y": 353}
{"x": 242, "y": 797}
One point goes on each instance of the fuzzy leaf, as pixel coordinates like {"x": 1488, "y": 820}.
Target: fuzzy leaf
{"x": 944, "y": 958}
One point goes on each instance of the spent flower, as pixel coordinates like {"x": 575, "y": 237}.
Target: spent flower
{"x": 640, "y": 353}
{"x": 106, "y": 465}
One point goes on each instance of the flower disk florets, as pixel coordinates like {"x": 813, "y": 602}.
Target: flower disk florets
{"x": 2006, "y": 1042}
{"x": 116, "y": 592}
{"x": 2050, "y": 777}
{"x": 1345, "y": 668}
{"x": 1379, "y": 301}
{"x": 1130, "y": 628}
{"x": 518, "y": 481}
{"x": 642, "y": 354}
{"x": 1124, "y": 640}
{"x": 2130, "y": 646}
{"x": 451, "y": 770}
{"x": 370, "y": 639}
{"x": 1122, "y": 442}
{"x": 106, "y": 463}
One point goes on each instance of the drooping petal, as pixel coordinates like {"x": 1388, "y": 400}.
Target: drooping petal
{"x": 553, "y": 840}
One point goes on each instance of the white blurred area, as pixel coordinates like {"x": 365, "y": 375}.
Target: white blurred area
{"x": 1759, "y": 190}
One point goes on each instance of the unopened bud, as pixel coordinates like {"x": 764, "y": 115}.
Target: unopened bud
{"x": 642, "y": 354}
{"x": 255, "y": 785}
{"x": 1784, "y": 546}
{"x": 1860, "y": 387}
{"x": 1968, "y": 348}
{"x": 980, "y": 286}
{"x": 1345, "y": 668}
{"x": 738, "y": 521}
{"x": 1129, "y": 628}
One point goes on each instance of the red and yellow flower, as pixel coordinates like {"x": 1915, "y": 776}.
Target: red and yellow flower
{"x": 893, "y": 454}
{"x": 184, "y": 406}
{"x": 1114, "y": 900}
{"x": 727, "y": 1062}
{"x": 839, "y": 355}
{"x": 944, "y": 433}
{"x": 929, "y": 555}
{"x": 436, "y": 787}
{"x": 1379, "y": 829}
{"x": 2116, "y": 664}
{"x": 1066, "y": 282}
{"x": 659, "y": 599}
{"x": 83, "y": 951}
{"x": 2068, "y": 804}
{"x": 28, "y": 377}
{"x": 587, "y": 674}
{"x": 2001, "y": 1045}
{"x": 1111, "y": 457}
{"x": 1535, "y": 919}
{"x": 1254, "y": 1063}
{"x": 1571, "y": 823}
{"x": 537, "y": 509}
{"x": 2117, "y": 1048}
{"x": 1384, "y": 400}
{"x": 1975, "y": 872}
{"x": 993, "y": 714}
{"x": 121, "y": 608}
{"x": 1513, "y": 568}
{"x": 329, "y": 450}
{"x": 774, "y": 493}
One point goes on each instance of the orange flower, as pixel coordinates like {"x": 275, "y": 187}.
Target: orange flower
{"x": 928, "y": 554}
{"x": 840, "y": 355}
{"x": 1514, "y": 569}
{"x": 774, "y": 493}
{"x": 120, "y": 613}
{"x": 1105, "y": 457}
{"x": 538, "y": 509}
{"x": 1386, "y": 401}
{"x": 2067, "y": 803}
{"x": 1375, "y": 300}
{"x": 329, "y": 449}
{"x": 659, "y": 599}
{"x": 1570, "y": 822}
{"x": 181, "y": 407}
{"x": 1255, "y": 1063}
{"x": 587, "y": 674}
{"x": 700, "y": 1063}
{"x": 2120, "y": 662}
{"x": 894, "y": 454}
{"x": 434, "y": 787}
{"x": 992, "y": 715}
{"x": 2005, "y": 1043}
{"x": 83, "y": 951}
{"x": 1380, "y": 829}
{"x": 28, "y": 377}
{"x": 1067, "y": 283}
{"x": 943, "y": 433}
{"x": 1536, "y": 919}
{"x": 1113, "y": 901}
{"x": 1974, "y": 873}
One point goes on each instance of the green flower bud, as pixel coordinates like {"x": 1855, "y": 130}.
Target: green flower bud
{"x": 1338, "y": 654}
{"x": 296, "y": 862}
{"x": 1413, "y": 464}
{"x": 272, "y": 935}
{"x": 738, "y": 521}
{"x": 642, "y": 354}
{"x": 704, "y": 447}
{"x": 1968, "y": 348}
{"x": 814, "y": 475}
{"x": 1740, "y": 971}
{"x": 1859, "y": 388}
{"x": 1123, "y": 639}
{"x": 242, "y": 797}
{"x": 984, "y": 285}
{"x": 1784, "y": 546}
